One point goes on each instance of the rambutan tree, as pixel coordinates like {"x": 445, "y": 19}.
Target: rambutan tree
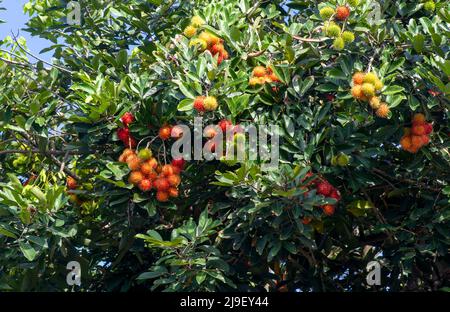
{"x": 359, "y": 92}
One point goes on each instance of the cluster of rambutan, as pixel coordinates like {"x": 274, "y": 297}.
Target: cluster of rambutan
{"x": 323, "y": 187}
{"x": 226, "y": 126}
{"x": 147, "y": 173}
{"x": 418, "y": 135}
{"x": 262, "y": 75}
{"x": 332, "y": 29}
{"x": 191, "y": 30}
{"x": 366, "y": 86}
{"x": 205, "y": 40}
{"x": 205, "y": 103}
{"x": 124, "y": 132}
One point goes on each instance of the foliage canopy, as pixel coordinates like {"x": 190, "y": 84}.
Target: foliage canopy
{"x": 234, "y": 226}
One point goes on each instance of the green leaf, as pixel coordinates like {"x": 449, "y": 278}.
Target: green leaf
{"x": 28, "y": 251}
{"x": 186, "y": 105}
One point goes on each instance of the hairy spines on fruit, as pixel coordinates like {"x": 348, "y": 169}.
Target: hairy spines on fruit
{"x": 326, "y": 12}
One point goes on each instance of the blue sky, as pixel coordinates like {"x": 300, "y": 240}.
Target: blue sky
{"x": 15, "y": 20}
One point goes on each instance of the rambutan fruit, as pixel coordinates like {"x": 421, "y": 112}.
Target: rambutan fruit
{"x": 145, "y": 154}
{"x": 145, "y": 185}
{"x": 430, "y": 6}
{"x": 200, "y": 43}
{"x": 146, "y": 168}
{"x": 416, "y": 141}
{"x": 127, "y": 119}
{"x": 375, "y": 102}
{"x": 326, "y": 12}
{"x": 190, "y": 31}
{"x": 123, "y": 134}
{"x": 338, "y": 43}
{"x": 383, "y": 111}
{"x": 153, "y": 162}
{"x": 162, "y": 196}
{"x": 324, "y": 188}
{"x": 253, "y": 81}
{"x": 161, "y": 184}
{"x": 224, "y": 124}
{"x": 174, "y": 180}
{"x": 153, "y": 175}
{"x": 173, "y": 192}
{"x": 209, "y": 38}
{"x": 71, "y": 183}
{"x": 342, "y": 13}
{"x": 167, "y": 170}
{"x": 357, "y": 92}
{"x": 225, "y": 55}
{"x": 210, "y": 103}
{"x": 273, "y": 77}
{"x": 178, "y": 162}
{"x": 428, "y": 128}
{"x": 348, "y": 36}
{"x": 164, "y": 132}
{"x": 135, "y": 177}
{"x": 368, "y": 89}
{"x": 378, "y": 85}
{"x": 419, "y": 118}
{"x": 306, "y": 220}
{"x": 197, "y": 21}
{"x": 358, "y": 78}
{"x": 259, "y": 71}
{"x": 217, "y": 48}
{"x": 199, "y": 103}
{"x": 406, "y": 142}
{"x": 328, "y": 210}
{"x": 425, "y": 139}
{"x": 418, "y": 129}
{"x": 370, "y": 78}
{"x": 332, "y": 29}
{"x": 134, "y": 163}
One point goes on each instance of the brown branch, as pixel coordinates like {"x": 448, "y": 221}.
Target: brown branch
{"x": 14, "y": 62}
{"x": 407, "y": 181}
{"x": 50, "y": 152}
{"x": 309, "y": 39}
{"x": 256, "y": 54}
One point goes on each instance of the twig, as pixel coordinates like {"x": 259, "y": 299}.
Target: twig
{"x": 309, "y": 39}
{"x": 38, "y": 58}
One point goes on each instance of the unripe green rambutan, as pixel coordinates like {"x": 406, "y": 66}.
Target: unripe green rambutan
{"x": 370, "y": 78}
{"x": 368, "y": 89}
{"x": 343, "y": 160}
{"x": 326, "y": 12}
{"x": 353, "y": 2}
{"x": 429, "y": 6}
{"x": 348, "y": 36}
{"x": 332, "y": 29}
{"x": 338, "y": 43}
